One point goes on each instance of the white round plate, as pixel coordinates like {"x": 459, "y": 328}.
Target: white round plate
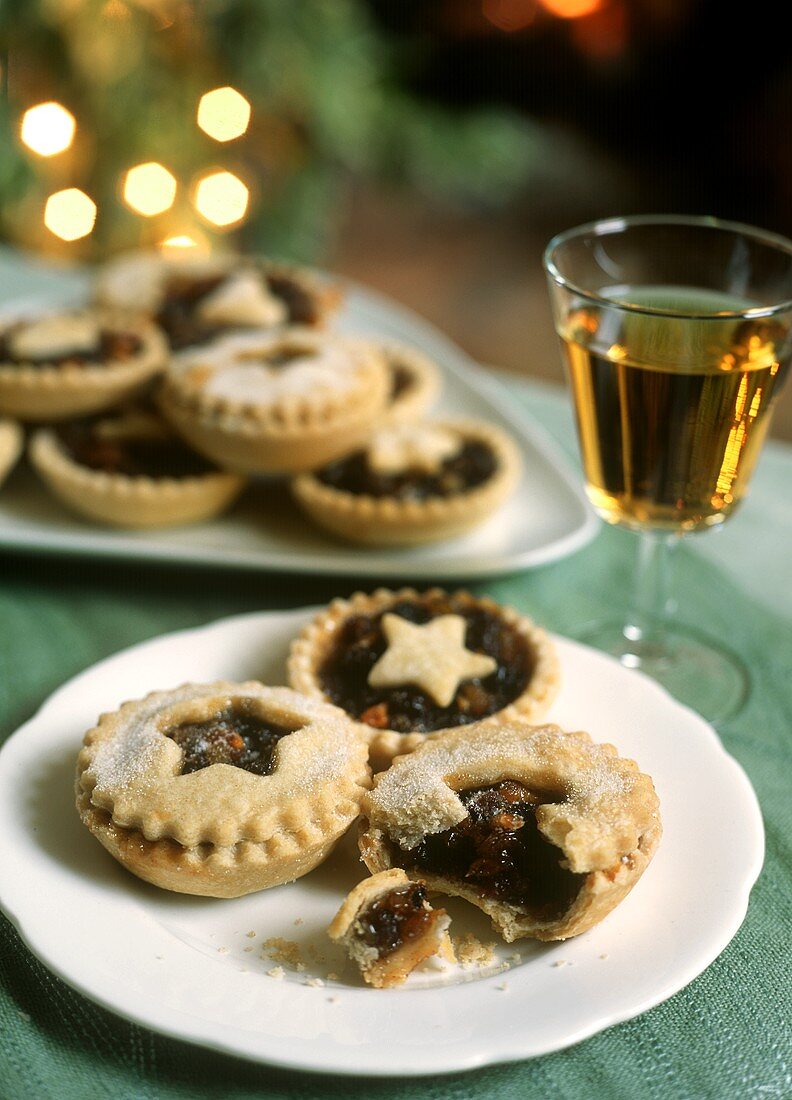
{"x": 193, "y": 968}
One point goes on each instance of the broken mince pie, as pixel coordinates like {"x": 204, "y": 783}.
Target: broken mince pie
{"x": 545, "y": 831}
{"x": 221, "y": 789}
{"x": 128, "y": 469}
{"x": 389, "y": 928}
{"x": 408, "y": 664}
{"x": 275, "y": 402}
{"x": 413, "y": 483}
{"x": 415, "y": 382}
{"x": 57, "y": 365}
{"x": 195, "y": 300}
{"x": 12, "y": 441}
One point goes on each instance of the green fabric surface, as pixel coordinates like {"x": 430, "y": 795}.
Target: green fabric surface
{"x": 726, "y": 1036}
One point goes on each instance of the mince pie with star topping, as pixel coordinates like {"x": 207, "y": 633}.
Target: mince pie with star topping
{"x": 411, "y": 664}
{"x": 221, "y": 789}
{"x": 389, "y": 928}
{"x": 275, "y": 402}
{"x": 57, "y": 365}
{"x": 196, "y": 300}
{"x": 544, "y": 831}
{"x": 127, "y": 468}
{"x": 413, "y": 483}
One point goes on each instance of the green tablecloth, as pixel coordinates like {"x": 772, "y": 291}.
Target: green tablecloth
{"x": 725, "y": 1036}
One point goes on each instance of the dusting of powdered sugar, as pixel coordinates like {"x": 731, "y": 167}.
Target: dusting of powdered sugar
{"x": 126, "y": 760}
{"x": 419, "y": 779}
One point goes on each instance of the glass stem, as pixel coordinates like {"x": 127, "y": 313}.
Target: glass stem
{"x": 651, "y": 605}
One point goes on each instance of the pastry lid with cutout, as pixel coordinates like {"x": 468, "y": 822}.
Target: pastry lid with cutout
{"x": 409, "y": 665}
{"x": 275, "y": 402}
{"x": 543, "y": 830}
{"x": 221, "y": 789}
{"x": 55, "y": 365}
{"x": 413, "y": 483}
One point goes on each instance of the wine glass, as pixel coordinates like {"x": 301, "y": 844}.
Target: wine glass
{"x": 677, "y": 337}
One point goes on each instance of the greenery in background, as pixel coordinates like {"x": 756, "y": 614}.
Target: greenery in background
{"x": 327, "y": 107}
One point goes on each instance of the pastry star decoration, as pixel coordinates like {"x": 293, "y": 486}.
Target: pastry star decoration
{"x": 432, "y": 657}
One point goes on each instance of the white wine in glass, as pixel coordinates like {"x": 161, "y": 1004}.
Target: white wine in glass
{"x": 677, "y": 338}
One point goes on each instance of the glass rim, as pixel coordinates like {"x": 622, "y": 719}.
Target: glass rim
{"x": 603, "y": 227}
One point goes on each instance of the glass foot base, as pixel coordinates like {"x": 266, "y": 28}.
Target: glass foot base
{"x": 691, "y": 666}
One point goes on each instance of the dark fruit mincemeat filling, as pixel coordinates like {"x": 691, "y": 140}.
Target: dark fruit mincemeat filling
{"x": 500, "y": 852}
{"x": 360, "y": 643}
{"x": 232, "y": 737}
{"x": 131, "y": 456}
{"x": 473, "y": 465}
{"x": 396, "y": 918}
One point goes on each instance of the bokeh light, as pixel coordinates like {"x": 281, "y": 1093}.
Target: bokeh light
{"x": 223, "y": 114}
{"x": 47, "y": 129}
{"x": 221, "y": 198}
{"x": 179, "y": 241}
{"x": 70, "y": 214}
{"x": 149, "y": 188}
{"x": 571, "y": 9}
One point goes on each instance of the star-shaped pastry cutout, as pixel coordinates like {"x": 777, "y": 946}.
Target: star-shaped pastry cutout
{"x": 431, "y": 656}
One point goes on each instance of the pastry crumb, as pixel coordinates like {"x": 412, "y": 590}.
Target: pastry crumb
{"x": 284, "y": 952}
{"x": 222, "y": 951}
{"x": 332, "y": 976}
{"x": 315, "y": 983}
{"x": 604, "y": 955}
{"x": 470, "y": 951}
{"x": 298, "y": 921}
{"x": 247, "y": 948}
{"x": 560, "y": 962}
{"x": 332, "y": 1000}
{"x": 503, "y": 987}
{"x": 251, "y": 935}
{"x": 277, "y": 972}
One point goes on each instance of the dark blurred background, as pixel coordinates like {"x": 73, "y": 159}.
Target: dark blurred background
{"x": 426, "y": 147}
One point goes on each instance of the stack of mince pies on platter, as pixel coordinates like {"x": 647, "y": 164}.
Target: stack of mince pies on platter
{"x": 155, "y": 403}
{"x": 416, "y": 718}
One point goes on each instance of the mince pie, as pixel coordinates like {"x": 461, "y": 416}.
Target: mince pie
{"x": 57, "y": 365}
{"x": 12, "y": 441}
{"x": 414, "y": 385}
{"x": 221, "y": 789}
{"x": 389, "y": 928}
{"x": 128, "y": 469}
{"x": 196, "y": 300}
{"x": 275, "y": 402}
{"x": 413, "y": 483}
{"x": 545, "y": 831}
{"x": 410, "y": 664}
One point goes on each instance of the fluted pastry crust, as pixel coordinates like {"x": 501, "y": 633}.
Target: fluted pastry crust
{"x": 221, "y": 831}
{"x": 312, "y": 646}
{"x": 389, "y": 521}
{"x": 61, "y": 391}
{"x": 288, "y": 431}
{"x": 598, "y": 809}
{"x": 123, "y": 501}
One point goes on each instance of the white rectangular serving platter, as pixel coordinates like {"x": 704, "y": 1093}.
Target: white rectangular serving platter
{"x": 547, "y": 518}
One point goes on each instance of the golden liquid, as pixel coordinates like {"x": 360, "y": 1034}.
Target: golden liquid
{"x": 671, "y": 413}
